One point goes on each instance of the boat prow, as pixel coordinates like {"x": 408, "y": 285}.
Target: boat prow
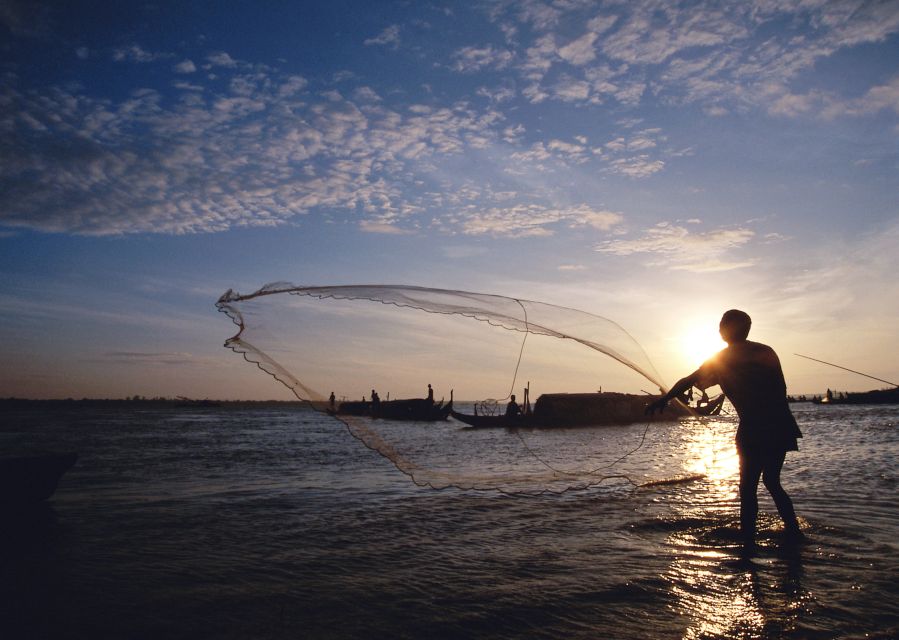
{"x": 32, "y": 479}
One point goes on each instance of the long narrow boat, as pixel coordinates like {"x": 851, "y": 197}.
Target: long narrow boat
{"x": 32, "y": 479}
{"x": 580, "y": 409}
{"x": 877, "y": 396}
{"x": 414, "y": 409}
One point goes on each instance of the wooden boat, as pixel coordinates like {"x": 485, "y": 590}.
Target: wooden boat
{"x": 713, "y": 408}
{"x": 414, "y": 409}
{"x": 580, "y": 409}
{"x": 32, "y": 479}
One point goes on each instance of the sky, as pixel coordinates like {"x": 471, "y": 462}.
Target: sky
{"x": 652, "y": 162}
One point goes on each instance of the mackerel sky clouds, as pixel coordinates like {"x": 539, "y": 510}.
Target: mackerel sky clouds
{"x": 611, "y": 156}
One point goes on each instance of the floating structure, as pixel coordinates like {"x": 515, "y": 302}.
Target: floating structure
{"x": 32, "y": 479}
{"x": 584, "y": 409}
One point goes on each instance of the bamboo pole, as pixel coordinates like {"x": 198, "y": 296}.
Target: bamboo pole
{"x": 846, "y": 369}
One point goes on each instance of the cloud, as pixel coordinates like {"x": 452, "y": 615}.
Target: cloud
{"x": 524, "y": 220}
{"x": 136, "y": 53}
{"x": 720, "y": 55}
{"x": 221, "y": 59}
{"x": 247, "y": 145}
{"x": 242, "y": 149}
{"x": 372, "y": 226}
{"x": 390, "y": 36}
{"x": 471, "y": 59}
{"x": 160, "y": 359}
{"x": 641, "y": 166}
{"x": 883, "y": 97}
{"x": 676, "y": 247}
{"x": 25, "y": 19}
{"x": 185, "y": 66}
{"x": 579, "y": 51}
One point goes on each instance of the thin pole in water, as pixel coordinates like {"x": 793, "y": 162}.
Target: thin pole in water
{"x": 846, "y": 369}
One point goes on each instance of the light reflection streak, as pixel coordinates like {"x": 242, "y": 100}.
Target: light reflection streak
{"x": 716, "y": 588}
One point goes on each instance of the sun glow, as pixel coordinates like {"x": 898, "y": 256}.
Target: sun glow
{"x": 699, "y": 344}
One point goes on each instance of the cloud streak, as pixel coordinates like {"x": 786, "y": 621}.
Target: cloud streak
{"x": 677, "y": 248}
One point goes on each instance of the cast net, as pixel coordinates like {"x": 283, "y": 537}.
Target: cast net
{"x": 473, "y": 349}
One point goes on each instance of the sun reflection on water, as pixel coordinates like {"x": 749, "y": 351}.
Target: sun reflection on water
{"x": 709, "y": 449}
{"x": 715, "y": 587}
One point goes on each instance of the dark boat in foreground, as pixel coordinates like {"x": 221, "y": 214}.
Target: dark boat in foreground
{"x": 414, "y": 409}
{"x": 32, "y": 479}
{"x": 583, "y": 409}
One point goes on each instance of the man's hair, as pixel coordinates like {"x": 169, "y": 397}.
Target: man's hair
{"x": 737, "y": 323}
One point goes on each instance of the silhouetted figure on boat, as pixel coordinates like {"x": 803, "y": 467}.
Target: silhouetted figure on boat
{"x": 332, "y": 400}
{"x": 431, "y": 394}
{"x": 375, "y": 403}
{"x": 751, "y": 377}
{"x": 703, "y": 400}
{"x": 512, "y": 409}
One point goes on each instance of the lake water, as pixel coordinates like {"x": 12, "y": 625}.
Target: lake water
{"x": 262, "y": 522}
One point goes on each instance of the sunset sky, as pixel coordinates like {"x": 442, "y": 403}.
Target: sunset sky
{"x": 654, "y": 162}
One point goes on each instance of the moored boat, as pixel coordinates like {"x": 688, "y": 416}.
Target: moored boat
{"x": 32, "y": 479}
{"x": 413, "y": 409}
{"x": 712, "y": 408}
{"x": 580, "y": 409}
{"x": 877, "y": 396}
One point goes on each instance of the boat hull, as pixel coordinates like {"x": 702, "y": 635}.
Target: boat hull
{"x": 415, "y": 409}
{"x": 580, "y": 409}
{"x": 878, "y": 396}
{"x": 32, "y": 479}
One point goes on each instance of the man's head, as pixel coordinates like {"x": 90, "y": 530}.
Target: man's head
{"x": 734, "y": 326}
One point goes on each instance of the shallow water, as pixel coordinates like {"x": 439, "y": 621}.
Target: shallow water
{"x": 232, "y": 522}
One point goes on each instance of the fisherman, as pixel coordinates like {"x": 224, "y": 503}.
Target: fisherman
{"x": 703, "y": 399}
{"x": 431, "y": 395}
{"x": 332, "y": 399}
{"x": 751, "y": 377}
{"x": 512, "y": 409}
{"x": 375, "y": 403}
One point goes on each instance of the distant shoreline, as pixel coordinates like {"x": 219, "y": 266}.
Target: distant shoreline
{"x": 149, "y": 402}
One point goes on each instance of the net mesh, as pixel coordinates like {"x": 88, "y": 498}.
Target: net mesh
{"x": 394, "y": 341}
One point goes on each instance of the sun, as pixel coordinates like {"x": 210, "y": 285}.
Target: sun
{"x": 699, "y": 344}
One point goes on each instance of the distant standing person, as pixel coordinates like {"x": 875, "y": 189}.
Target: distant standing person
{"x": 430, "y": 394}
{"x": 375, "y": 402}
{"x": 332, "y": 401}
{"x": 751, "y": 377}
{"x": 512, "y": 409}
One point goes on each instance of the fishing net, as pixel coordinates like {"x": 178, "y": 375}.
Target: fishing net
{"x": 474, "y": 350}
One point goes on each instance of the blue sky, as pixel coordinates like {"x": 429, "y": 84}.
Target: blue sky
{"x": 652, "y": 162}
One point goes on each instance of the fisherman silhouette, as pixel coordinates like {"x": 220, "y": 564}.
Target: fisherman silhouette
{"x": 512, "y": 409}
{"x": 430, "y": 394}
{"x": 751, "y": 377}
{"x": 375, "y": 403}
{"x": 331, "y": 400}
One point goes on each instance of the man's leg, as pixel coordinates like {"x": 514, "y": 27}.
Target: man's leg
{"x": 771, "y": 477}
{"x": 750, "y": 470}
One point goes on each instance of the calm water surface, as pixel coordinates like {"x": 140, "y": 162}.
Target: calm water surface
{"x": 275, "y": 523}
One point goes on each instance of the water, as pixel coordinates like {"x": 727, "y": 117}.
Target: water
{"x": 261, "y": 522}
